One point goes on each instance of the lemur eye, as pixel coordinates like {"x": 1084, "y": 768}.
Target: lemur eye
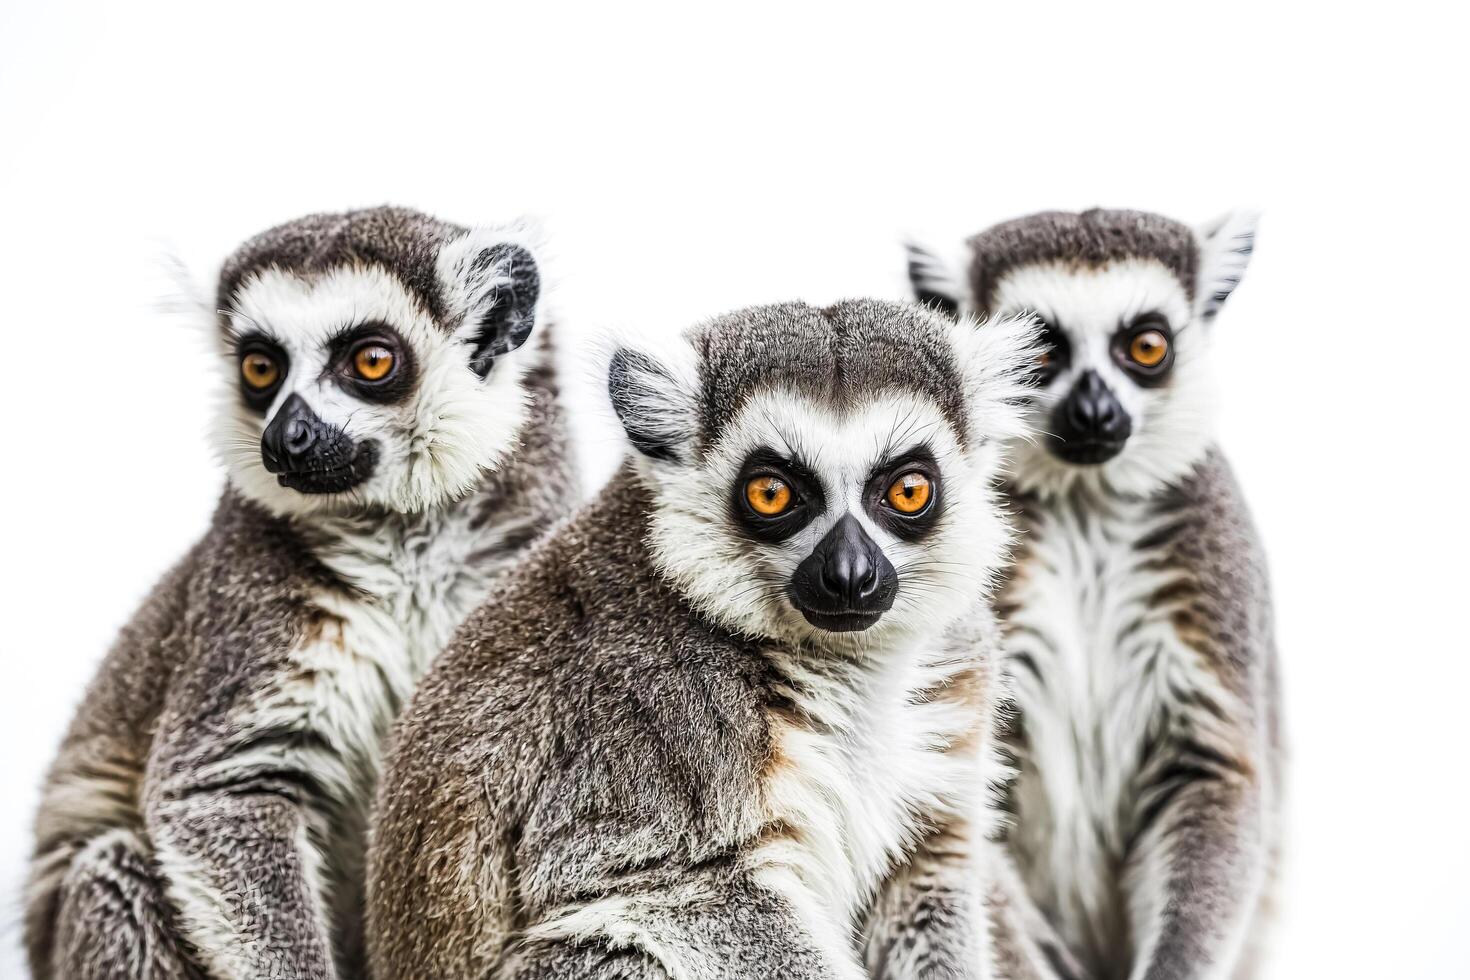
{"x": 910, "y": 493}
{"x": 372, "y": 362}
{"x": 1149, "y": 348}
{"x": 1053, "y": 356}
{"x": 260, "y": 371}
{"x": 768, "y": 496}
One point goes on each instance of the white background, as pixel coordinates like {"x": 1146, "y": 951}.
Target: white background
{"x": 688, "y": 160}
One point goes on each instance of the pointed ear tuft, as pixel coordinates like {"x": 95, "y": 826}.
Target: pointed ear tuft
{"x": 934, "y": 282}
{"x": 656, "y": 402}
{"x": 494, "y": 285}
{"x": 998, "y": 361}
{"x": 1225, "y": 247}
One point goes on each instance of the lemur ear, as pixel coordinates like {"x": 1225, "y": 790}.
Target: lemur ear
{"x": 1225, "y": 247}
{"x": 494, "y": 285}
{"x": 657, "y": 402}
{"x": 997, "y": 360}
{"x": 933, "y": 280}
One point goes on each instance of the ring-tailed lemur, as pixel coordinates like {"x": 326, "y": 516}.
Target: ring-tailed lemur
{"x": 389, "y": 450}
{"x": 1138, "y": 621}
{"x": 713, "y": 728}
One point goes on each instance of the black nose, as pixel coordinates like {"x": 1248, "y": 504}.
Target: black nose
{"x": 298, "y": 436}
{"x": 1093, "y": 408}
{"x": 1090, "y": 425}
{"x": 846, "y": 583}
{"x": 849, "y": 575}
{"x": 290, "y": 438}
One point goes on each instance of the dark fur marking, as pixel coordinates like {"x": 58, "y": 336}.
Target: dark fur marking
{"x": 1089, "y": 238}
{"x": 837, "y": 355}
{"x": 1224, "y": 764}
{"x": 506, "y": 323}
{"x": 403, "y": 242}
{"x": 1174, "y": 779}
{"x": 628, "y": 376}
{"x": 1161, "y": 536}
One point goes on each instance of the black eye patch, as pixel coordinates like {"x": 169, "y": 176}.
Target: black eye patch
{"x": 263, "y": 366}
{"x": 1056, "y": 350}
{"x": 905, "y": 495}
{"x": 1144, "y": 349}
{"x": 352, "y": 350}
{"x": 773, "y": 497}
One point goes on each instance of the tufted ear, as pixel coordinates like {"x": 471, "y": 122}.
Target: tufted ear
{"x": 494, "y": 284}
{"x": 997, "y": 359}
{"x": 657, "y": 401}
{"x": 1225, "y": 247}
{"x": 933, "y": 280}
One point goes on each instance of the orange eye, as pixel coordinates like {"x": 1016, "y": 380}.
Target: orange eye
{"x": 373, "y": 362}
{"x": 1149, "y": 348}
{"x": 768, "y": 496}
{"x": 910, "y": 493}
{"x": 260, "y": 371}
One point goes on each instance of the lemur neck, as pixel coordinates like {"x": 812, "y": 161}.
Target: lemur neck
{"x": 1087, "y": 503}
{"x": 1067, "y": 485}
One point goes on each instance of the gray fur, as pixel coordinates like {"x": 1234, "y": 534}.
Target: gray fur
{"x": 400, "y": 240}
{"x": 580, "y": 786}
{"x": 1186, "y": 814}
{"x": 1145, "y": 816}
{"x": 587, "y": 735}
{"x": 169, "y": 753}
{"x": 877, "y": 347}
{"x": 1204, "y": 786}
{"x": 1086, "y": 238}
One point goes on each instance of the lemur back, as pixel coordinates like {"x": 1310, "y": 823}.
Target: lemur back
{"x": 1144, "y": 816}
{"x": 207, "y": 812}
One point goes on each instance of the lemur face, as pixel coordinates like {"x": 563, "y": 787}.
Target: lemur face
{"x": 354, "y": 384}
{"x": 1123, "y": 386}
{"x": 838, "y": 513}
{"x": 817, "y": 487}
{"x": 1124, "y": 393}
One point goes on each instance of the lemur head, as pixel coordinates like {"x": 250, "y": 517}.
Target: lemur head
{"x": 826, "y": 475}
{"x": 1124, "y": 392}
{"x": 366, "y": 359}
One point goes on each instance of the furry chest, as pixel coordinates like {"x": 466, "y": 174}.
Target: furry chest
{"x": 1095, "y": 661}
{"x": 368, "y": 643}
{"x": 851, "y": 787}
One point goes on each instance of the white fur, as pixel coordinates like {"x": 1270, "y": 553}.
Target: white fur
{"x": 465, "y": 289}
{"x": 860, "y": 784}
{"x": 1083, "y": 581}
{"x": 663, "y": 391}
{"x": 433, "y": 446}
{"x": 1225, "y": 246}
{"x": 864, "y": 765}
{"x": 877, "y": 765}
{"x": 643, "y": 922}
{"x": 403, "y": 545}
{"x": 695, "y": 544}
{"x": 413, "y": 583}
{"x": 1081, "y": 585}
{"x": 1173, "y": 425}
{"x": 942, "y": 275}
{"x": 205, "y": 914}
